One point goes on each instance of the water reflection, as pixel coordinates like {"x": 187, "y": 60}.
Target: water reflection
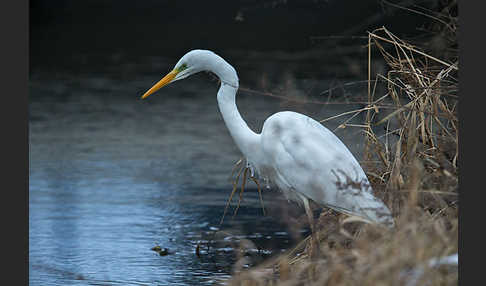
{"x": 99, "y": 227}
{"x": 111, "y": 177}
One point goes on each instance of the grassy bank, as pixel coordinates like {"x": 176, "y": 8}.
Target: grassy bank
{"x": 411, "y": 155}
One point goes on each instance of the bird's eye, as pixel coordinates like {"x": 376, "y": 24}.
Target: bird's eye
{"x": 182, "y": 67}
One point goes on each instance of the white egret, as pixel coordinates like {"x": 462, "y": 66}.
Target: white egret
{"x": 296, "y": 153}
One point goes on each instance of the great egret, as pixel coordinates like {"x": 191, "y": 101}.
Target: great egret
{"x": 300, "y": 156}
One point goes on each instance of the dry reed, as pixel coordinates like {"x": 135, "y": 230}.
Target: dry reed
{"x": 411, "y": 158}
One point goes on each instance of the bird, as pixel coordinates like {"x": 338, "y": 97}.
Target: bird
{"x": 300, "y": 156}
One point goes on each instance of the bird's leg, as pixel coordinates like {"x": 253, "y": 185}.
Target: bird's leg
{"x": 252, "y": 170}
{"x": 315, "y": 242}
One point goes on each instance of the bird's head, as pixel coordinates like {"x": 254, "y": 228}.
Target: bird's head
{"x": 191, "y": 63}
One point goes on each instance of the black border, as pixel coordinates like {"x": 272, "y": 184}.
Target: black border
{"x": 471, "y": 89}
{"x": 14, "y": 62}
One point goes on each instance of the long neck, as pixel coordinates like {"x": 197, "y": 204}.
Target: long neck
{"x": 244, "y": 137}
{"x": 246, "y": 140}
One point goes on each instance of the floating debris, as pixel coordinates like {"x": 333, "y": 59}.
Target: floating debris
{"x": 161, "y": 251}
{"x": 197, "y": 250}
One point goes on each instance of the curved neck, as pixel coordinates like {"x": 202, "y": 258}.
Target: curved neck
{"x": 246, "y": 140}
{"x": 244, "y": 137}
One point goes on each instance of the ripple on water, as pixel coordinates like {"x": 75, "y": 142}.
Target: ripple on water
{"x": 110, "y": 177}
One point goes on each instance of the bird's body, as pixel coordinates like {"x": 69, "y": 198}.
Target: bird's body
{"x": 304, "y": 159}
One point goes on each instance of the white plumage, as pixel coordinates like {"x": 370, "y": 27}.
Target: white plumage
{"x": 304, "y": 157}
{"x": 299, "y": 155}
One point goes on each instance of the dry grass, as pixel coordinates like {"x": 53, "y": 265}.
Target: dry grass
{"x": 420, "y": 142}
{"x": 411, "y": 156}
{"x": 370, "y": 256}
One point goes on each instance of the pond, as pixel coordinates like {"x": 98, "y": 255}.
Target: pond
{"x": 112, "y": 176}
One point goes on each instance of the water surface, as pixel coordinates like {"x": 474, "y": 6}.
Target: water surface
{"x": 111, "y": 176}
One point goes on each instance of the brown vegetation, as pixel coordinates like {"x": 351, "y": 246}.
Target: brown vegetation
{"x": 411, "y": 159}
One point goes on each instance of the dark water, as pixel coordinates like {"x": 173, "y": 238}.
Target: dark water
{"x": 112, "y": 176}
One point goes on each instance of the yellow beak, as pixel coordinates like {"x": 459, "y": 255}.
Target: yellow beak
{"x": 163, "y": 82}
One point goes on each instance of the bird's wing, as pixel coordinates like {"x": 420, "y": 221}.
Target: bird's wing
{"x": 309, "y": 159}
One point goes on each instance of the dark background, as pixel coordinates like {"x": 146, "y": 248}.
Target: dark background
{"x": 61, "y": 29}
